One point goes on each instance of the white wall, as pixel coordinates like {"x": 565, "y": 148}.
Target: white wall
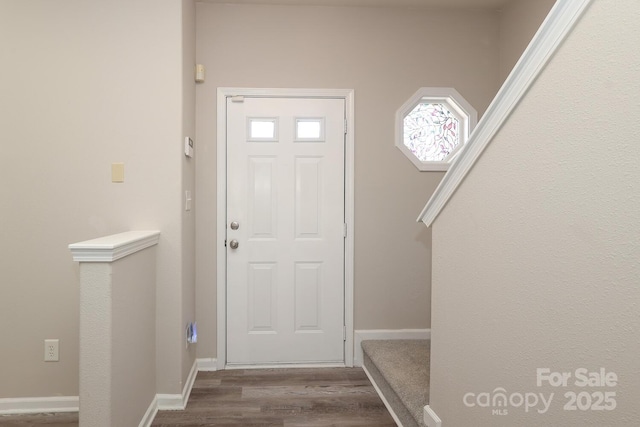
{"x": 117, "y": 332}
{"x": 84, "y": 85}
{"x": 519, "y": 21}
{"x": 545, "y": 236}
{"x": 385, "y": 55}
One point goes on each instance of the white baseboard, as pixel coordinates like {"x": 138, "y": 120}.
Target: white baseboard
{"x": 178, "y": 402}
{"x": 148, "y": 417}
{"x": 207, "y": 364}
{"x": 169, "y": 402}
{"x": 286, "y": 365}
{"x": 430, "y": 418}
{"x": 385, "y": 334}
{"x": 384, "y": 400}
{"x": 36, "y": 405}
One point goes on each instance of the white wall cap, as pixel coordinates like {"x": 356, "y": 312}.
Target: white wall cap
{"x": 113, "y": 247}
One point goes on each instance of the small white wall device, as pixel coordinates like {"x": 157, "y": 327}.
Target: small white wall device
{"x": 188, "y": 146}
{"x": 199, "y": 73}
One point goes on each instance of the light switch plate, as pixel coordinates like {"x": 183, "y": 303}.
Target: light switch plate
{"x": 117, "y": 172}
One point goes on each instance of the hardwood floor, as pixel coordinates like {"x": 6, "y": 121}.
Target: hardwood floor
{"x": 268, "y": 397}
{"x": 281, "y": 397}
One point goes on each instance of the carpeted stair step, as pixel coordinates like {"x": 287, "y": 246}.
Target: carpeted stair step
{"x": 400, "y": 370}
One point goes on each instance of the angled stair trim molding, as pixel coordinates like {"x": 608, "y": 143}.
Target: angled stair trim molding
{"x": 557, "y": 26}
{"x": 114, "y": 247}
{"x": 381, "y": 395}
{"x": 430, "y": 418}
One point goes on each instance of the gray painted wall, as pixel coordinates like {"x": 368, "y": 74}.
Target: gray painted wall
{"x": 519, "y": 21}
{"x": 385, "y": 55}
{"x": 85, "y": 84}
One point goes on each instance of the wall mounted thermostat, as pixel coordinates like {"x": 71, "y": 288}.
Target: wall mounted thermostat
{"x": 188, "y": 146}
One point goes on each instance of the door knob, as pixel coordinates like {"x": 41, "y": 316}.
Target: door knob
{"x": 234, "y": 225}
{"x": 233, "y": 244}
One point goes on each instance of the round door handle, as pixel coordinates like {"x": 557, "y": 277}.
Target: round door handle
{"x": 235, "y": 225}
{"x": 233, "y": 244}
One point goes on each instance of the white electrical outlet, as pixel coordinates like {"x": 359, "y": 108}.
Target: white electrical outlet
{"x": 51, "y": 350}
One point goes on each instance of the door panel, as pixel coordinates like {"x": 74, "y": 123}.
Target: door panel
{"x": 285, "y": 189}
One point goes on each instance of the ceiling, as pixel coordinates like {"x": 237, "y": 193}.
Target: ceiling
{"x": 475, "y": 4}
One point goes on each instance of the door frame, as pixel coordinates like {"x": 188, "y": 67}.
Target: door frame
{"x": 221, "y": 186}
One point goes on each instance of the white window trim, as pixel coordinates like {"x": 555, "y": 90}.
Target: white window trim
{"x": 456, "y": 103}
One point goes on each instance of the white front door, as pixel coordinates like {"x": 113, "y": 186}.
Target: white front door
{"x": 285, "y": 230}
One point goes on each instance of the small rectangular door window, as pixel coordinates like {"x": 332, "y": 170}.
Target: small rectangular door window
{"x": 309, "y": 129}
{"x": 262, "y": 129}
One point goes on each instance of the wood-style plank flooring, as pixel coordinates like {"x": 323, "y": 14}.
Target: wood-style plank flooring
{"x": 281, "y": 397}
{"x": 264, "y": 397}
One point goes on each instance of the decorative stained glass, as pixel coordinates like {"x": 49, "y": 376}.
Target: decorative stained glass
{"x": 431, "y": 132}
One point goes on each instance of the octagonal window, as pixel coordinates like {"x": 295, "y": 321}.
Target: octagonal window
{"x": 432, "y": 126}
{"x": 431, "y": 131}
